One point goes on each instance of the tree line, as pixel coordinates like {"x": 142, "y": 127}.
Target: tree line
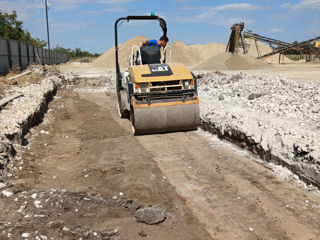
{"x": 12, "y": 28}
{"x": 76, "y": 53}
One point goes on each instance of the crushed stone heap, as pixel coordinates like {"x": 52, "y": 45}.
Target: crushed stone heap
{"x": 277, "y": 118}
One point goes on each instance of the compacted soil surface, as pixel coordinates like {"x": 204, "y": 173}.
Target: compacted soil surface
{"x": 84, "y": 176}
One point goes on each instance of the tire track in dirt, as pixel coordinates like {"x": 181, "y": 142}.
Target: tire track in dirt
{"x": 89, "y": 175}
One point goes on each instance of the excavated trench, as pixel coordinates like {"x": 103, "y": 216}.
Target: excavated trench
{"x": 245, "y": 142}
{"x": 266, "y": 117}
{"x": 34, "y": 116}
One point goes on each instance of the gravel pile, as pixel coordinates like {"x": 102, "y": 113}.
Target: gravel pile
{"x": 273, "y": 117}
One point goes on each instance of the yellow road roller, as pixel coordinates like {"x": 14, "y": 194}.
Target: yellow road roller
{"x": 156, "y": 95}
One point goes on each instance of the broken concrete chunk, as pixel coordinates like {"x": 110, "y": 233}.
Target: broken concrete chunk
{"x": 2, "y": 185}
{"x": 254, "y": 95}
{"x": 25, "y": 235}
{"x": 151, "y": 215}
{"x": 143, "y": 233}
{"x": 221, "y": 97}
{"x": 7, "y": 193}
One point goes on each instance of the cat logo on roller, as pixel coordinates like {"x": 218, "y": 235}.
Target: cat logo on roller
{"x": 159, "y": 68}
{"x": 156, "y": 95}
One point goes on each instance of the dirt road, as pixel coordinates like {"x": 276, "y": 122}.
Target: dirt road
{"x": 84, "y": 176}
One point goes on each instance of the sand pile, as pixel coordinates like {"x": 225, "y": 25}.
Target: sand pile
{"x": 210, "y": 56}
{"x": 108, "y": 58}
{"x": 229, "y": 61}
{"x": 190, "y": 55}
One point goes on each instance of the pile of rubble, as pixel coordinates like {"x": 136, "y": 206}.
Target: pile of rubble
{"x": 273, "y": 117}
{"x": 21, "y": 114}
{"x": 56, "y": 213}
{"x": 91, "y": 81}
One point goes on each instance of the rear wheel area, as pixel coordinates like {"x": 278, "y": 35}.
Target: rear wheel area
{"x": 122, "y": 111}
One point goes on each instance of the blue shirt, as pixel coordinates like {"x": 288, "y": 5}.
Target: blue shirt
{"x": 153, "y": 42}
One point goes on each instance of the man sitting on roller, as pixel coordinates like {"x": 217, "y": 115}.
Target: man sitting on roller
{"x": 162, "y": 42}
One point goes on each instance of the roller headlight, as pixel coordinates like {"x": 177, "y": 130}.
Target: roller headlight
{"x": 188, "y": 84}
{"x": 141, "y": 87}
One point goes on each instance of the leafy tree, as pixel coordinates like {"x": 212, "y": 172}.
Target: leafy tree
{"x": 11, "y": 28}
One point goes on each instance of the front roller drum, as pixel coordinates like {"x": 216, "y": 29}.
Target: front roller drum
{"x": 184, "y": 117}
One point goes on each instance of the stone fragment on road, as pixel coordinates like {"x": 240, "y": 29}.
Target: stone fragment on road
{"x": 254, "y": 95}
{"x": 142, "y": 233}
{"x": 66, "y": 229}
{"x": 151, "y": 215}
{"x": 7, "y": 193}
{"x": 111, "y": 234}
{"x": 25, "y": 235}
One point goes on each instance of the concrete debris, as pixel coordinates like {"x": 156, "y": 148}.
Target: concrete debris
{"x": 25, "y": 235}
{"x": 24, "y": 112}
{"x": 49, "y": 212}
{"x": 66, "y": 229}
{"x": 19, "y": 75}
{"x": 151, "y": 215}
{"x": 91, "y": 82}
{"x": 110, "y": 233}
{"x": 14, "y": 119}
{"x": 37, "y": 204}
{"x": 7, "y": 193}
{"x": 274, "y": 117}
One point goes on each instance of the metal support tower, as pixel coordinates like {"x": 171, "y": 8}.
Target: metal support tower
{"x": 235, "y": 37}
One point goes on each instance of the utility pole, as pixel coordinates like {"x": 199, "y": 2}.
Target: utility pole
{"x": 46, "y": 6}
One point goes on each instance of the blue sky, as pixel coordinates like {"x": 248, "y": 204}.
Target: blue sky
{"x": 89, "y": 24}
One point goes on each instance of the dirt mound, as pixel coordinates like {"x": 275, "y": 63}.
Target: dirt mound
{"x": 194, "y": 54}
{"x": 190, "y": 55}
{"x": 229, "y": 61}
{"x": 108, "y": 58}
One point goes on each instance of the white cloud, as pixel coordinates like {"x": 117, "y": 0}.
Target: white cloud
{"x": 218, "y": 15}
{"x": 226, "y": 7}
{"x": 285, "y": 5}
{"x": 63, "y": 5}
{"x": 237, "y": 7}
{"x": 62, "y": 27}
{"x": 112, "y": 8}
{"x": 24, "y": 8}
{"x": 276, "y": 30}
{"x": 307, "y": 4}
{"x": 217, "y": 20}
